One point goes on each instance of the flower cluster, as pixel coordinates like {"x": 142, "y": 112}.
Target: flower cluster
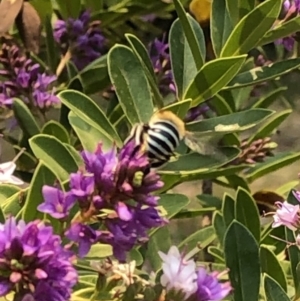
{"x": 288, "y": 215}
{"x": 115, "y": 198}
{"x": 290, "y": 9}
{"x": 34, "y": 262}
{"x": 81, "y": 38}
{"x": 183, "y": 279}
{"x": 24, "y": 79}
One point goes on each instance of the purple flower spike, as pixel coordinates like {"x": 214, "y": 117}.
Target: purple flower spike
{"x": 34, "y": 261}
{"x": 56, "y": 202}
{"x": 84, "y": 235}
{"x": 209, "y": 287}
{"x": 82, "y": 185}
{"x": 82, "y": 37}
{"x": 24, "y": 79}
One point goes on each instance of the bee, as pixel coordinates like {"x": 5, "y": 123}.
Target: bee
{"x": 161, "y": 136}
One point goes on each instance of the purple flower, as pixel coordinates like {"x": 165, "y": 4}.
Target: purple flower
{"x": 81, "y": 37}
{"x": 33, "y": 261}
{"x": 286, "y": 215}
{"x": 193, "y": 114}
{"x": 287, "y": 42}
{"x": 24, "y": 80}
{"x": 209, "y": 287}
{"x": 84, "y": 235}
{"x": 82, "y": 185}
{"x": 56, "y": 202}
{"x": 160, "y": 58}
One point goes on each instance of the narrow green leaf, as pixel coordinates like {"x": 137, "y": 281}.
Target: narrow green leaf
{"x": 207, "y": 200}
{"x": 273, "y": 290}
{"x": 219, "y": 225}
{"x": 189, "y": 33}
{"x": 54, "y": 155}
{"x": 220, "y": 27}
{"x": 88, "y": 135}
{"x": 271, "y": 266}
{"x": 179, "y": 108}
{"x": 75, "y": 154}
{"x": 268, "y": 99}
{"x": 142, "y": 54}
{"x": 69, "y": 8}
{"x": 217, "y": 253}
{"x": 160, "y": 241}
{"x": 237, "y": 10}
{"x": 55, "y": 129}
{"x": 262, "y": 74}
{"x": 183, "y": 64}
{"x": 173, "y": 203}
{"x": 281, "y": 30}
{"x": 193, "y": 163}
{"x": 202, "y": 238}
{"x": 242, "y": 259}
{"x": 228, "y": 209}
{"x": 270, "y": 125}
{"x": 212, "y": 77}
{"x": 6, "y": 191}
{"x": 190, "y": 213}
{"x": 88, "y": 111}
{"x": 294, "y": 258}
{"x": 131, "y": 84}
{"x": 25, "y": 119}
{"x": 43, "y": 7}
{"x": 52, "y": 51}
{"x": 235, "y": 122}
{"x": 251, "y": 28}
{"x": 271, "y": 164}
{"x": 246, "y": 212}
{"x": 42, "y": 176}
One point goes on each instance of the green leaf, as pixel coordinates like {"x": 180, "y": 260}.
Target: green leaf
{"x": 262, "y": 74}
{"x": 54, "y": 128}
{"x": 202, "y": 238}
{"x": 92, "y": 79}
{"x": 242, "y": 259}
{"x": 142, "y": 54}
{"x": 271, "y": 266}
{"x": 249, "y": 31}
{"x": 235, "y": 122}
{"x": 268, "y": 99}
{"x": 271, "y": 164}
{"x": 99, "y": 251}
{"x": 173, "y": 203}
{"x": 179, "y": 108}
{"x": 207, "y": 200}
{"x": 212, "y": 77}
{"x": 217, "y": 253}
{"x": 281, "y": 30}
{"x": 294, "y": 258}
{"x": 43, "y": 7}
{"x": 131, "y": 84}
{"x": 246, "y": 212}
{"x": 42, "y": 176}
{"x": 88, "y": 135}
{"x": 273, "y": 290}
{"x": 69, "y": 8}
{"x": 221, "y": 26}
{"x": 237, "y": 10}
{"x": 219, "y": 225}
{"x": 52, "y": 51}
{"x": 25, "y": 119}
{"x": 183, "y": 65}
{"x": 6, "y": 191}
{"x": 75, "y": 154}
{"x": 228, "y": 209}
{"x": 87, "y": 110}
{"x": 220, "y": 105}
{"x": 270, "y": 125}
{"x": 190, "y": 34}
{"x": 189, "y": 213}
{"x": 194, "y": 163}
{"x": 160, "y": 241}
{"x": 54, "y": 155}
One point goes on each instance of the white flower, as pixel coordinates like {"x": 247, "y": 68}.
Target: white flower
{"x": 7, "y": 169}
{"x": 178, "y": 272}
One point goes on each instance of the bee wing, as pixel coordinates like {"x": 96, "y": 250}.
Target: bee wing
{"x": 203, "y": 145}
